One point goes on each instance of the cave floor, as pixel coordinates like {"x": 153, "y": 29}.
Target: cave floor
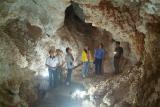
{"x": 60, "y": 97}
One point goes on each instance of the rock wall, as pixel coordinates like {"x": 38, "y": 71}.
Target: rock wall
{"x": 122, "y": 19}
{"x": 150, "y": 83}
{"x": 27, "y": 29}
{"x": 135, "y": 22}
{"x": 26, "y": 24}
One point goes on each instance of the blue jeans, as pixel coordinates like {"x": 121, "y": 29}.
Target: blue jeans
{"x": 60, "y": 74}
{"x": 53, "y": 78}
{"x": 98, "y": 66}
{"x": 69, "y": 74}
{"x": 85, "y": 68}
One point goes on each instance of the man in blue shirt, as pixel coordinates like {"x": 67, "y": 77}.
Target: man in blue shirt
{"x": 99, "y": 57}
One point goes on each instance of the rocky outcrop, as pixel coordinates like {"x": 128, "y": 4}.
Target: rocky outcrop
{"x": 26, "y": 27}
{"x": 29, "y": 27}
{"x": 14, "y": 92}
{"x": 136, "y": 22}
{"x": 122, "y": 19}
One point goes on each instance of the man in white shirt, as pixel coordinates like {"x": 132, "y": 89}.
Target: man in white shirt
{"x": 52, "y": 63}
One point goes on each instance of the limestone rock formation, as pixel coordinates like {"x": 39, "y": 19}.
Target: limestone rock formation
{"x": 25, "y": 25}
{"x": 132, "y": 21}
{"x": 29, "y": 27}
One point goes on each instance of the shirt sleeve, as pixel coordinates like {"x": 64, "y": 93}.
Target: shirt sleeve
{"x": 57, "y": 61}
{"x": 65, "y": 58}
{"x": 47, "y": 61}
{"x": 95, "y": 52}
{"x": 67, "y": 61}
{"x": 72, "y": 57}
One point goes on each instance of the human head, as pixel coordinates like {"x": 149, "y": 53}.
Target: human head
{"x": 68, "y": 50}
{"x": 59, "y": 52}
{"x": 101, "y": 45}
{"x": 52, "y": 52}
{"x": 52, "y": 48}
{"x": 117, "y": 43}
{"x": 86, "y": 47}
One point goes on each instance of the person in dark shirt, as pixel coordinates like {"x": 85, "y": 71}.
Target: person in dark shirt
{"x": 118, "y": 53}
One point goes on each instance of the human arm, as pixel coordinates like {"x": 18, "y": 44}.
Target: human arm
{"x": 48, "y": 65}
{"x": 72, "y": 57}
{"x": 95, "y": 52}
{"x": 47, "y": 62}
{"x": 69, "y": 61}
{"x": 52, "y": 63}
{"x": 83, "y": 56}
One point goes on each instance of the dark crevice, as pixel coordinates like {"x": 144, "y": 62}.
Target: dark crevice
{"x": 72, "y": 19}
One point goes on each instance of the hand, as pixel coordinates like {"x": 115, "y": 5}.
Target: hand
{"x": 48, "y": 65}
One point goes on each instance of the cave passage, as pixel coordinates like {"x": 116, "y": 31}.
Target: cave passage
{"x": 113, "y": 56}
{"x": 83, "y": 34}
{"x": 70, "y": 96}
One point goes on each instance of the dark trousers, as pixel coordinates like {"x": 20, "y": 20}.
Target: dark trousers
{"x": 69, "y": 74}
{"x": 53, "y": 78}
{"x": 98, "y": 66}
{"x": 116, "y": 64}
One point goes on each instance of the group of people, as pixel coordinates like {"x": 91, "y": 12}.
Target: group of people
{"x": 55, "y": 62}
{"x": 87, "y": 58}
{"x": 99, "y": 58}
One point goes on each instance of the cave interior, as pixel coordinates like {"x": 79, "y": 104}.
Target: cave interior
{"x": 30, "y": 28}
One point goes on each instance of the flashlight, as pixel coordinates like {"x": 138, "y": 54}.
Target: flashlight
{"x": 115, "y": 53}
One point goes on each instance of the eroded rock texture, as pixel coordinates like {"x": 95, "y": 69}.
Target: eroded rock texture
{"x": 29, "y": 27}
{"x": 26, "y": 31}
{"x": 136, "y": 22}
